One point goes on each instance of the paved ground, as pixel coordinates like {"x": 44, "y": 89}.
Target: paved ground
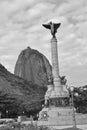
{"x": 82, "y": 127}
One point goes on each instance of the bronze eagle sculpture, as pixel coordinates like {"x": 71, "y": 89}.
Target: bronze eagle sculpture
{"x": 53, "y": 27}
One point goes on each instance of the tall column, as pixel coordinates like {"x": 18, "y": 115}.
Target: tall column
{"x": 58, "y": 90}
{"x": 55, "y": 63}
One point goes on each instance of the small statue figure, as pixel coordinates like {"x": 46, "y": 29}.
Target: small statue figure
{"x": 63, "y": 80}
{"x": 50, "y": 80}
{"x": 53, "y": 27}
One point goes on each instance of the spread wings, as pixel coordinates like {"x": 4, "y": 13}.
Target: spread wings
{"x": 48, "y": 26}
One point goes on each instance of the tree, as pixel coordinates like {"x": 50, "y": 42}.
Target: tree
{"x": 80, "y": 100}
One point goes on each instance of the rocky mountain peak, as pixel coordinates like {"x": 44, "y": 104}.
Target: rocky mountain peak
{"x": 33, "y": 66}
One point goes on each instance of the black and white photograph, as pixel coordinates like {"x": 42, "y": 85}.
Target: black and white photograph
{"x": 43, "y": 64}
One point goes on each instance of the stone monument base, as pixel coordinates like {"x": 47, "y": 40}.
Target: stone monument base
{"x": 59, "y": 116}
{"x": 56, "y": 116}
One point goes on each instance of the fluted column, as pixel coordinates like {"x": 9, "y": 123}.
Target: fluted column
{"x": 55, "y": 63}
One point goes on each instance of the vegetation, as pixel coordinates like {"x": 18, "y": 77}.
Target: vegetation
{"x": 18, "y": 96}
{"x": 80, "y": 99}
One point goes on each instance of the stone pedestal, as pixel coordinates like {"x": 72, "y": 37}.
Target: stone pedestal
{"x": 48, "y": 93}
{"x": 56, "y": 116}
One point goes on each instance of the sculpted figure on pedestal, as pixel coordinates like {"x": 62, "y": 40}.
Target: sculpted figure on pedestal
{"x": 63, "y": 80}
{"x": 53, "y": 27}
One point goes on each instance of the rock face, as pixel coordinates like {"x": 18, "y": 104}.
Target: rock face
{"x": 33, "y": 66}
{"x": 18, "y": 95}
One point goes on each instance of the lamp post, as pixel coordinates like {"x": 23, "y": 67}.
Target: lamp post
{"x": 6, "y": 113}
{"x": 72, "y": 97}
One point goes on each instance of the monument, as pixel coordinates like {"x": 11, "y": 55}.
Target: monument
{"x": 57, "y": 110}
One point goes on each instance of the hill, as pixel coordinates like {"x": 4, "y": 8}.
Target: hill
{"x": 18, "y": 96}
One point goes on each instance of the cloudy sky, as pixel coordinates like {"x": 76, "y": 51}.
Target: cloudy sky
{"x": 21, "y": 26}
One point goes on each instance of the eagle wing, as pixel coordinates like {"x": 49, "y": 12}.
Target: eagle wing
{"x": 56, "y": 26}
{"x": 47, "y": 26}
